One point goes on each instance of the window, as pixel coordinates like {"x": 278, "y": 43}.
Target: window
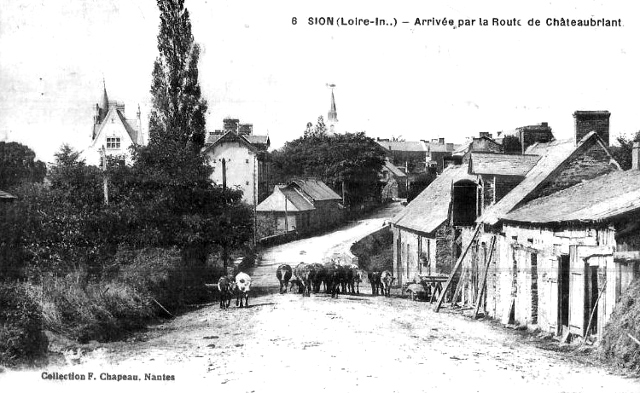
{"x": 247, "y": 182}
{"x": 113, "y": 143}
{"x": 247, "y": 160}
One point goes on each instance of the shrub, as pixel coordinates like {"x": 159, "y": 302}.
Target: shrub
{"x": 617, "y": 347}
{"x": 21, "y": 336}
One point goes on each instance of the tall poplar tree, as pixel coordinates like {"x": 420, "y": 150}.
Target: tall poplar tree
{"x": 178, "y": 113}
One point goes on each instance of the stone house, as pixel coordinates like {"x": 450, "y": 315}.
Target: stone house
{"x": 240, "y": 160}
{"x": 300, "y": 206}
{"x": 423, "y": 234}
{"x": 394, "y": 180}
{"x": 571, "y": 255}
{"x": 430, "y": 228}
{"x": 533, "y": 245}
{"x": 113, "y": 134}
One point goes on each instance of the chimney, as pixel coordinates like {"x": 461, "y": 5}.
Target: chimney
{"x": 231, "y": 125}
{"x": 441, "y": 141}
{"x": 635, "y": 156}
{"x": 587, "y": 121}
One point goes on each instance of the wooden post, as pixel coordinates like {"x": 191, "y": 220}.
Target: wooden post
{"x": 456, "y": 267}
{"x": 483, "y": 284}
{"x": 105, "y": 182}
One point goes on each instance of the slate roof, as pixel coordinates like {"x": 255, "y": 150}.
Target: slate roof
{"x": 259, "y": 141}
{"x": 553, "y": 155}
{"x": 132, "y": 129}
{"x": 403, "y": 146}
{"x": 316, "y": 189}
{"x": 598, "y": 199}
{"x": 297, "y": 200}
{"x": 393, "y": 169}
{"x": 501, "y": 164}
{"x": 430, "y": 208}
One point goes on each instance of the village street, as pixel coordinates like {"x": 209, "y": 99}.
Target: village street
{"x": 350, "y": 344}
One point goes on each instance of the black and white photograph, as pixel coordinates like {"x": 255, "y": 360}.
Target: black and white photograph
{"x": 253, "y": 196}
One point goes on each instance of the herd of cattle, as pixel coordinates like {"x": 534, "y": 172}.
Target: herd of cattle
{"x": 331, "y": 277}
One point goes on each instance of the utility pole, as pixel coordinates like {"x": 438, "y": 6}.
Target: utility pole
{"x": 105, "y": 183}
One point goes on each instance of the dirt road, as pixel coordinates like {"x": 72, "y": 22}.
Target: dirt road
{"x": 350, "y": 344}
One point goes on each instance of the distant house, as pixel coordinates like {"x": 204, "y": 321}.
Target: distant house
{"x": 303, "y": 206}
{"x": 112, "y": 132}
{"x": 410, "y": 155}
{"x": 423, "y": 235}
{"x": 240, "y": 160}
{"x": 394, "y": 180}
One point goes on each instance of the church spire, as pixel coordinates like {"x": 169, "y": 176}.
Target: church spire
{"x": 333, "y": 115}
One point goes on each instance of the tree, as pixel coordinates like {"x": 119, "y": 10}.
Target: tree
{"x": 18, "y": 165}
{"x": 352, "y": 160}
{"x": 178, "y": 113}
{"x": 319, "y": 130}
{"x": 167, "y": 194}
{"x": 622, "y": 152}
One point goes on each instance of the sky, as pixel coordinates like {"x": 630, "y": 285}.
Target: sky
{"x": 409, "y": 81}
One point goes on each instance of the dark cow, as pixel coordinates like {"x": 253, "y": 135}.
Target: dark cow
{"x": 350, "y": 272}
{"x": 328, "y": 275}
{"x": 336, "y": 279}
{"x": 304, "y": 273}
{"x": 374, "y": 279}
{"x": 318, "y": 276}
{"x": 386, "y": 280}
{"x": 243, "y": 286}
{"x": 226, "y": 288}
{"x": 283, "y": 274}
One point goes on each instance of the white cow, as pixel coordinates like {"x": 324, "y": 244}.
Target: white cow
{"x": 243, "y": 286}
{"x": 386, "y": 280}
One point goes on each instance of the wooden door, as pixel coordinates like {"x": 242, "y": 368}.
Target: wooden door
{"x": 577, "y": 292}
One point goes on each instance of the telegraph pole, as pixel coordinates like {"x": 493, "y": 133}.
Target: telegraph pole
{"x": 105, "y": 183}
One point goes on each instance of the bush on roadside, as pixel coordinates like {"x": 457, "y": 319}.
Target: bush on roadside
{"x": 21, "y": 335}
{"x": 616, "y": 346}
{"x": 102, "y": 311}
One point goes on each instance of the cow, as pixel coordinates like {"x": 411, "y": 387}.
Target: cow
{"x": 350, "y": 278}
{"x": 386, "y": 280}
{"x": 359, "y": 277}
{"x": 336, "y": 279}
{"x": 304, "y": 273}
{"x": 374, "y": 279}
{"x": 226, "y": 288}
{"x": 283, "y": 274}
{"x": 243, "y": 286}
{"x": 318, "y": 276}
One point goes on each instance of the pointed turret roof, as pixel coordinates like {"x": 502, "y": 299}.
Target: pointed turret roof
{"x": 105, "y": 98}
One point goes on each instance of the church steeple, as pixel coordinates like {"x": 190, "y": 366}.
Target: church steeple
{"x": 333, "y": 114}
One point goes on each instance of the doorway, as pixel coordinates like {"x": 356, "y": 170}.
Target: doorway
{"x": 593, "y": 309}
{"x": 563, "y": 291}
